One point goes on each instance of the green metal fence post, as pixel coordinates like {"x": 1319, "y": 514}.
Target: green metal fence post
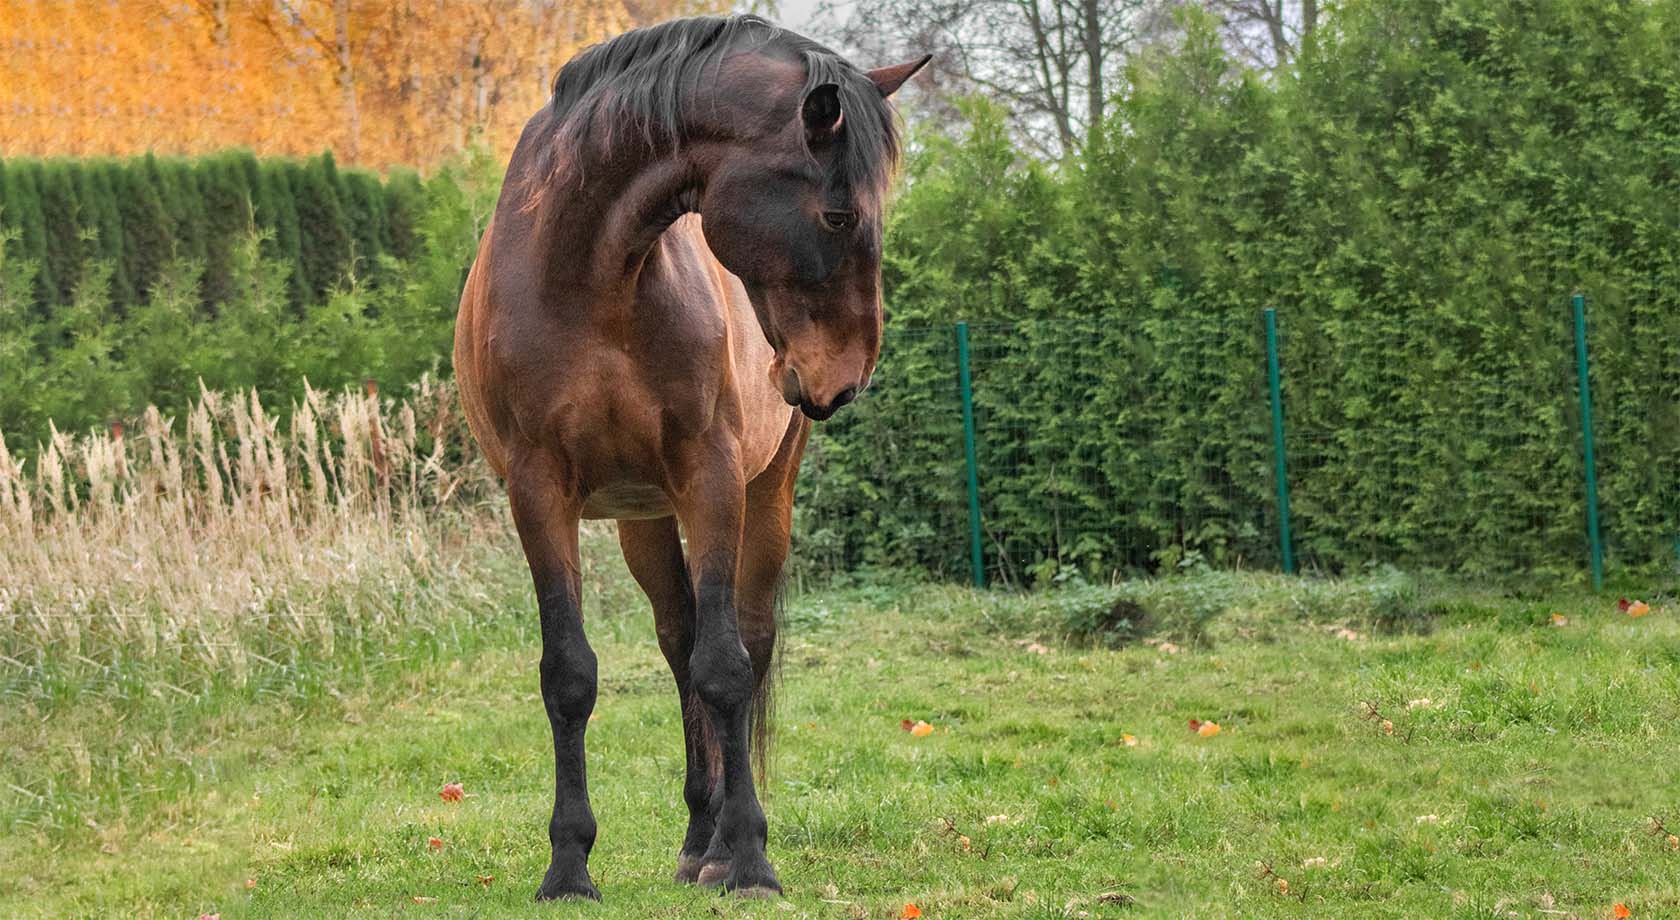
{"x": 1593, "y": 539}
{"x": 1285, "y": 540}
{"x": 975, "y": 558}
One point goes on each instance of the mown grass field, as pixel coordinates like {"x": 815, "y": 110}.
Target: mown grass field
{"x": 1530, "y": 784}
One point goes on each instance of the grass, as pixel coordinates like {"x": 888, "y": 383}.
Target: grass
{"x": 237, "y": 663}
{"x": 1530, "y": 785}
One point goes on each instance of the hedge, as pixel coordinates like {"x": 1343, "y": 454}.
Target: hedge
{"x": 1418, "y": 201}
{"x": 229, "y": 270}
{"x": 330, "y": 225}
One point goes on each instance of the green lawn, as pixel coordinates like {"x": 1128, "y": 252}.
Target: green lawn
{"x": 1526, "y": 786}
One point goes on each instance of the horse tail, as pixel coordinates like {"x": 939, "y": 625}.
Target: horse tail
{"x": 764, "y": 696}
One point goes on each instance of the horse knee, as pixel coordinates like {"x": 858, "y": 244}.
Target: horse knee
{"x": 568, "y": 681}
{"x": 722, "y": 674}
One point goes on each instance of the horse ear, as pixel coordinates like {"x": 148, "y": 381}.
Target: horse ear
{"x": 821, "y": 112}
{"x": 889, "y": 79}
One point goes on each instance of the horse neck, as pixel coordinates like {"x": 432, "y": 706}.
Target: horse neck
{"x": 603, "y": 216}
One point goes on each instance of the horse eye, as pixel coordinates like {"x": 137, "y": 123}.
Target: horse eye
{"x": 839, "y": 220}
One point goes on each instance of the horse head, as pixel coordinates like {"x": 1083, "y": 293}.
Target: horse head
{"x": 795, "y": 210}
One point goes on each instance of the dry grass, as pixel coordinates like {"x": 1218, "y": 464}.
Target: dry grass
{"x": 191, "y": 533}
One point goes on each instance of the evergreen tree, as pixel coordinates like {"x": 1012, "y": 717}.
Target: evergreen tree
{"x": 23, "y": 212}
{"x": 324, "y": 240}
{"x": 276, "y": 214}
{"x": 227, "y": 219}
{"x": 183, "y": 200}
{"x": 405, "y": 204}
{"x": 61, "y": 213}
{"x": 363, "y": 203}
{"x": 148, "y": 234}
{"x": 104, "y": 186}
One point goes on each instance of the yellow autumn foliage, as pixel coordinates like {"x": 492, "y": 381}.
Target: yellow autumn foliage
{"x": 376, "y": 81}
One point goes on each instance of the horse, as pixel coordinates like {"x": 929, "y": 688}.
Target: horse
{"x": 681, "y": 275}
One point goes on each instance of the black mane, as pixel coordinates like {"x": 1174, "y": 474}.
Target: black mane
{"x": 642, "y": 80}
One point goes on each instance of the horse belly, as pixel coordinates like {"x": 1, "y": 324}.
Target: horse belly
{"x": 627, "y": 501}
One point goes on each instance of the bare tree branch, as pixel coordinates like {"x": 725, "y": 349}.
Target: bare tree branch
{"x": 1056, "y": 62}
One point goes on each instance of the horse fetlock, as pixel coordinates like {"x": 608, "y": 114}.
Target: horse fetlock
{"x": 571, "y": 832}
{"x": 746, "y": 829}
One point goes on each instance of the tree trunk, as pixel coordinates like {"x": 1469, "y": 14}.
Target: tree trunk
{"x": 219, "y": 21}
{"x": 347, "y": 76}
{"x": 1094, "y": 101}
{"x": 1274, "y": 24}
{"x": 480, "y": 84}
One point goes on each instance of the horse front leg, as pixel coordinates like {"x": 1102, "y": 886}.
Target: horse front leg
{"x": 712, "y": 510}
{"x": 654, "y": 554}
{"x": 546, "y": 516}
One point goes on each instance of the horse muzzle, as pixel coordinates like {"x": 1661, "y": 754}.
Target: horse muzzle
{"x": 793, "y": 393}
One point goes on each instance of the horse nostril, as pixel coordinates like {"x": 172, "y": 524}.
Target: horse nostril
{"x": 792, "y": 393}
{"x": 846, "y": 396}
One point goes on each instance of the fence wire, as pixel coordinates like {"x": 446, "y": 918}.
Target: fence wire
{"x": 1105, "y": 453}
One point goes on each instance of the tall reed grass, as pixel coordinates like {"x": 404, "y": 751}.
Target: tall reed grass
{"x": 230, "y": 532}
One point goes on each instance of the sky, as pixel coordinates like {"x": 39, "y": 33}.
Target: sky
{"x": 802, "y": 15}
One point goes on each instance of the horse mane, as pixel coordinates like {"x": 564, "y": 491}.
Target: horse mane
{"x": 643, "y": 81}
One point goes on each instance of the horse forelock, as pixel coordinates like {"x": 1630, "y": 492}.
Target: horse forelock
{"x": 633, "y": 89}
{"x": 868, "y": 142}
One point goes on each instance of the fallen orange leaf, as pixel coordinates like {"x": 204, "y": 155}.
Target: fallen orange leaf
{"x": 1638, "y": 609}
{"x": 1208, "y": 729}
{"x": 250, "y": 883}
{"x": 1620, "y": 911}
{"x": 1559, "y": 619}
{"x": 452, "y": 792}
{"x": 434, "y": 843}
{"x": 921, "y": 729}
{"x": 910, "y": 912}
{"x": 1673, "y": 842}
{"x": 1128, "y": 740}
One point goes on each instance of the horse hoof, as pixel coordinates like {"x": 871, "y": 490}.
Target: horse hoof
{"x": 556, "y": 887}
{"x": 688, "y": 869}
{"x": 584, "y": 892}
{"x": 753, "y": 879}
{"x": 712, "y": 874}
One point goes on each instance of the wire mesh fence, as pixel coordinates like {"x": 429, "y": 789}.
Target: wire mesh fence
{"x": 1105, "y": 452}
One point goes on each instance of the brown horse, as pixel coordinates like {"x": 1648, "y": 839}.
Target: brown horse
{"x": 620, "y": 356}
